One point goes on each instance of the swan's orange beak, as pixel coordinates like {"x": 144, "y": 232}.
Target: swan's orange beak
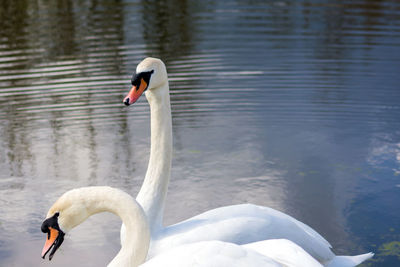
{"x": 135, "y": 93}
{"x": 50, "y": 241}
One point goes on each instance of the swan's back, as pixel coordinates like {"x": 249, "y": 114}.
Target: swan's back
{"x": 242, "y": 224}
{"x": 210, "y": 254}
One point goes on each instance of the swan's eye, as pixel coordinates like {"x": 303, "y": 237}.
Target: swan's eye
{"x": 45, "y": 229}
{"x": 137, "y": 78}
{"x": 50, "y": 222}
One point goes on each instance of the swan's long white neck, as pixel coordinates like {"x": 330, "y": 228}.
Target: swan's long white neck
{"x": 155, "y": 186}
{"x": 106, "y": 199}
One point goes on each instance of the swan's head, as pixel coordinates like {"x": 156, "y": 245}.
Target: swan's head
{"x": 66, "y": 213}
{"x": 150, "y": 74}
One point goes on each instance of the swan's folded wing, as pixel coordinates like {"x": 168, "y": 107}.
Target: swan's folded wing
{"x": 269, "y": 215}
{"x": 285, "y": 252}
{"x": 229, "y": 230}
{"x": 210, "y": 254}
{"x": 242, "y": 224}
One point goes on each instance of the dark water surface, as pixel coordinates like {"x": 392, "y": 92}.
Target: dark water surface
{"x": 292, "y": 105}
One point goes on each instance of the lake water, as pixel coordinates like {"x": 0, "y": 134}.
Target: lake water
{"x": 289, "y": 104}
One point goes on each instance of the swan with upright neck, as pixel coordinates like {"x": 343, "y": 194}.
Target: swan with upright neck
{"x": 238, "y": 224}
{"x": 151, "y": 77}
{"x": 76, "y": 205}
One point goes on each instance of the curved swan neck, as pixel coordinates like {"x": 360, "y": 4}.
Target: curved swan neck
{"x": 155, "y": 186}
{"x": 106, "y": 199}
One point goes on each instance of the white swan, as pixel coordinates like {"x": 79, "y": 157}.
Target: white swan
{"x": 239, "y": 224}
{"x": 76, "y": 205}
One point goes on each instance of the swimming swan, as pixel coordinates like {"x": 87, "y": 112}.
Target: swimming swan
{"x": 239, "y": 224}
{"x": 76, "y": 205}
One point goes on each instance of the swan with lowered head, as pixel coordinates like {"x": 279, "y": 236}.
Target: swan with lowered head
{"x": 76, "y": 205}
{"x": 238, "y": 224}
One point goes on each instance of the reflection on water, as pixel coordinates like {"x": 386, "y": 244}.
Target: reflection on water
{"x": 293, "y": 105}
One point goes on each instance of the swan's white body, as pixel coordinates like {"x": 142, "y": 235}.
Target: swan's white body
{"x": 239, "y": 224}
{"x": 75, "y": 206}
{"x": 281, "y": 251}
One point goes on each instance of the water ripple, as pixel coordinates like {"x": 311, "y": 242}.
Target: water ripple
{"x": 245, "y": 75}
